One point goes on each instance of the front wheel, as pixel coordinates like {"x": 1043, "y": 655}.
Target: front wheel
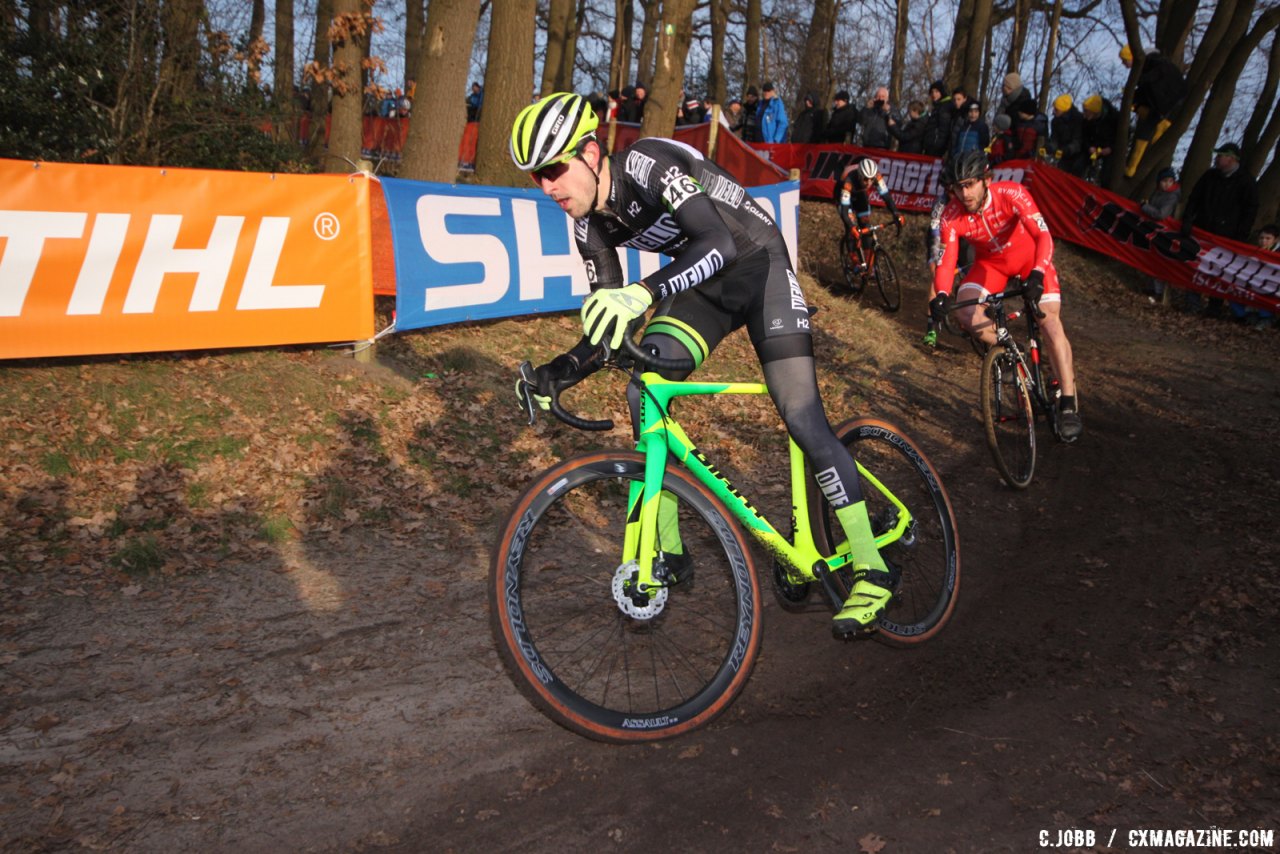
{"x": 887, "y": 281}
{"x": 577, "y": 645}
{"x": 1007, "y": 416}
{"x": 928, "y": 551}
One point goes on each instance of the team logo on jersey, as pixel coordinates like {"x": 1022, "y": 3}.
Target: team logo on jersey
{"x": 725, "y": 190}
{"x": 633, "y": 209}
{"x": 797, "y": 296}
{"x": 639, "y": 166}
{"x": 680, "y": 191}
{"x": 657, "y": 237}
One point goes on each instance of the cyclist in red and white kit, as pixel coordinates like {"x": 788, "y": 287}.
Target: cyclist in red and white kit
{"x": 1010, "y": 238}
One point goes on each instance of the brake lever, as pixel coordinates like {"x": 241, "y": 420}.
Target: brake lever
{"x": 525, "y": 385}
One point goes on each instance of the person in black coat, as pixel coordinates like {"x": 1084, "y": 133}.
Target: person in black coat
{"x": 874, "y": 118}
{"x": 1101, "y": 121}
{"x": 843, "y": 121}
{"x": 1066, "y": 137}
{"x": 910, "y": 134}
{"x": 1015, "y": 98}
{"x": 1161, "y": 90}
{"x": 937, "y": 125}
{"x": 1223, "y": 202}
{"x": 811, "y": 122}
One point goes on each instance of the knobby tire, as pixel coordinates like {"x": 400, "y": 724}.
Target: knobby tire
{"x": 567, "y": 644}
{"x": 1007, "y": 417}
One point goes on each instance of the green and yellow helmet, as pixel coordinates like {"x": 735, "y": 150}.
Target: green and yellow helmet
{"x": 552, "y": 130}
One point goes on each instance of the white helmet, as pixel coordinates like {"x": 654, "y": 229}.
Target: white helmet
{"x": 868, "y": 168}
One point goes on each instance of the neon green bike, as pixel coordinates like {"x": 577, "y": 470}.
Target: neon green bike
{"x": 624, "y": 598}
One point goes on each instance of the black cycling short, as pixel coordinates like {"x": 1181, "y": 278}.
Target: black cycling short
{"x": 759, "y": 291}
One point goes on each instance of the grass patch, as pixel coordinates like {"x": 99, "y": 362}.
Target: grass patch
{"x": 56, "y": 464}
{"x": 139, "y": 556}
{"x": 277, "y": 529}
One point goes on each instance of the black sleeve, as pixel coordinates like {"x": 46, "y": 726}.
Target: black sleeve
{"x": 604, "y": 270}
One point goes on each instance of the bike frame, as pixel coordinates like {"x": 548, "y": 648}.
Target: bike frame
{"x": 1031, "y": 366}
{"x": 661, "y": 438}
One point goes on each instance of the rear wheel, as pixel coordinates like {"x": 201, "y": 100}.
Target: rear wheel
{"x": 1008, "y": 417}
{"x": 928, "y": 552}
{"x": 887, "y": 281}
{"x": 601, "y": 662}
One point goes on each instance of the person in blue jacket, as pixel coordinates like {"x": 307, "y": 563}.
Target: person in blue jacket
{"x": 773, "y": 116}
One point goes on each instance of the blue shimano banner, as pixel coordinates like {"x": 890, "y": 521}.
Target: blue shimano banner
{"x": 472, "y": 252}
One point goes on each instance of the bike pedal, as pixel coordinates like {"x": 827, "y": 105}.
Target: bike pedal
{"x": 862, "y": 633}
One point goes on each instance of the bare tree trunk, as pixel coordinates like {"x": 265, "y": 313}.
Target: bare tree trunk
{"x": 955, "y": 70}
{"x": 620, "y": 62}
{"x": 560, "y": 23}
{"x": 974, "y": 49}
{"x": 319, "y": 77}
{"x": 508, "y": 78}
{"x": 751, "y": 70}
{"x": 1173, "y": 26}
{"x": 257, "y": 19}
{"x": 431, "y": 150}
{"x": 1018, "y": 38}
{"x": 717, "y": 85}
{"x": 648, "y": 41}
{"x": 1055, "y": 19}
{"x": 988, "y": 57}
{"x": 899, "y": 60}
{"x": 178, "y": 65}
{"x": 1214, "y": 113}
{"x": 675, "y": 36}
{"x": 1269, "y": 190}
{"x": 415, "y": 16}
{"x": 815, "y": 74}
{"x": 349, "y": 37}
{"x": 1263, "y": 110}
{"x": 569, "y": 61}
{"x": 283, "y": 80}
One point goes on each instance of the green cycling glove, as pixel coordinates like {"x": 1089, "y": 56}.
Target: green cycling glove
{"x": 614, "y": 308}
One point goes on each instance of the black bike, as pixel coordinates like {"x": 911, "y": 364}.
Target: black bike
{"x": 862, "y": 264}
{"x": 1016, "y": 386}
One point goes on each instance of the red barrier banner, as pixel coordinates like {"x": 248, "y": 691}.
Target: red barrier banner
{"x": 118, "y": 259}
{"x": 1091, "y": 216}
{"x": 912, "y": 178}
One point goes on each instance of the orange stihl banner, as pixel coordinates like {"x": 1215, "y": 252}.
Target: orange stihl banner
{"x": 115, "y": 259}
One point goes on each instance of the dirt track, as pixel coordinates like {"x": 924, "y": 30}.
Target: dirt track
{"x": 1112, "y": 666}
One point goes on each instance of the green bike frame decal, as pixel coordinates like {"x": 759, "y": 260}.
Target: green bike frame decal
{"x": 661, "y": 437}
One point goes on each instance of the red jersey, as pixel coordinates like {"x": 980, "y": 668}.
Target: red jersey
{"x": 1009, "y": 234}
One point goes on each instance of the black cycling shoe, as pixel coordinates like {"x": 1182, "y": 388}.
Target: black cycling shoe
{"x": 1069, "y": 425}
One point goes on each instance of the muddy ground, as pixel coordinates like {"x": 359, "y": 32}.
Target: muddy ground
{"x": 1112, "y": 666}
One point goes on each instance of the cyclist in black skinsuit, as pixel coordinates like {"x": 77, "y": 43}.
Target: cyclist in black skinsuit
{"x": 730, "y": 269}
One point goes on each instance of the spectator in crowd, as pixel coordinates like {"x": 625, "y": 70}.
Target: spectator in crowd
{"x": 910, "y": 134}
{"x": 1015, "y": 98}
{"x": 632, "y": 107}
{"x": 474, "y": 100}
{"x": 874, "y": 119}
{"x": 843, "y": 122}
{"x": 751, "y": 107}
{"x": 387, "y": 109}
{"x": 1160, "y": 206}
{"x": 733, "y": 117}
{"x": 1160, "y": 92}
{"x": 1223, "y": 202}
{"x": 642, "y": 94}
{"x": 1066, "y": 137}
{"x": 811, "y": 122}
{"x": 937, "y": 126}
{"x": 971, "y": 132}
{"x": 1101, "y": 121}
{"x": 404, "y": 104}
{"x": 773, "y": 116}
{"x": 1001, "y": 139}
{"x": 1269, "y": 243}
{"x": 1029, "y": 131}
{"x": 690, "y": 111}
{"x": 623, "y": 109}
